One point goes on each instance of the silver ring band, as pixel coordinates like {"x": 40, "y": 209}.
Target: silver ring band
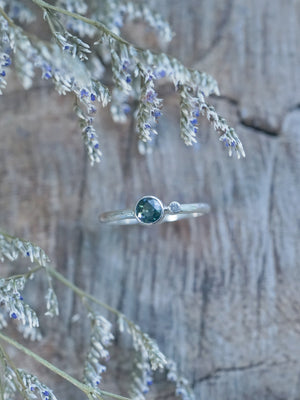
{"x": 150, "y": 210}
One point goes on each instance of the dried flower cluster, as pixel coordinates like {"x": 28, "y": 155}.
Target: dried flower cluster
{"x": 14, "y": 381}
{"x": 148, "y": 356}
{"x": 82, "y": 50}
{"x": 101, "y": 338}
{"x": 141, "y": 377}
{"x": 12, "y": 302}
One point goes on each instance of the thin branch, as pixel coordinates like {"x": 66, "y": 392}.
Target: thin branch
{"x": 89, "y": 21}
{"x": 81, "y": 386}
{"x": 82, "y": 294}
{"x": 7, "y": 359}
{"x": 8, "y": 19}
{"x": 26, "y": 275}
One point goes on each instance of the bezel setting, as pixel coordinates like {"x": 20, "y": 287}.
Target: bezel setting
{"x": 142, "y": 219}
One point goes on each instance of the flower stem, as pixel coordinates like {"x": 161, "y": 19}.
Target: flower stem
{"x": 79, "y": 291}
{"x": 26, "y": 275}
{"x": 6, "y": 359}
{"x": 81, "y": 386}
{"x": 5, "y": 16}
{"x": 97, "y": 24}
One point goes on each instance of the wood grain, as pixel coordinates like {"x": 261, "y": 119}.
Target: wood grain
{"x": 220, "y": 294}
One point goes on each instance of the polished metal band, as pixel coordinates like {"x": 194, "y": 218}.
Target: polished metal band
{"x": 173, "y": 212}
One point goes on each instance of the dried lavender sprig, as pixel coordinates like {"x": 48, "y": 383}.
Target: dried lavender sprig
{"x": 141, "y": 341}
{"x": 68, "y": 42}
{"x": 123, "y": 64}
{"x": 13, "y": 302}
{"x": 66, "y": 72}
{"x": 183, "y": 388}
{"x": 143, "y": 344}
{"x": 33, "y": 334}
{"x": 227, "y": 134}
{"x": 115, "y": 12}
{"x": 141, "y": 377}
{"x": 89, "y": 392}
{"x": 89, "y": 135}
{"x": 188, "y": 120}
{"x": 12, "y": 247}
{"x": 5, "y": 50}
{"x": 51, "y": 303}
{"x": 101, "y": 338}
{"x": 192, "y": 106}
{"x": 33, "y": 387}
{"x": 172, "y": 68}
{"x": 149, "y": 108}
{"x": 9, "y": 387}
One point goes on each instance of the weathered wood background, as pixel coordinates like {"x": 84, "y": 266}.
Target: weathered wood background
{"x": 220, "y": 294}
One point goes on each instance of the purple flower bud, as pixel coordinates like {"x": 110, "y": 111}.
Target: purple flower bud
{"x": 118, "y": 22}
{"x": 66, "y": 47}
{"x": 84, "y": 93}
{"x": 92, "y": 110}
{"x": 162, "y": 73}
{"x": 93, "y": 97}
{"x": 125, "y": 65}
{"x": 147, "y": 126}
{"x": 128, "y": 78}
{"x": 151, "y": 96}
{"x": 3, "y": 73}
{"x": 46, "y": 393}
{"x": 13, "y": 315}
{"x": 126, "y": 109}
{"x": 7, "y": 62}
{"x": 194, "y": 121}
{"x": 156, "y": 113}
{"x": 96, "y": 146}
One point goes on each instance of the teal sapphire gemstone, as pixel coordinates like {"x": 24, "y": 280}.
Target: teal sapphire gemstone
{"x": 149, "y": 210}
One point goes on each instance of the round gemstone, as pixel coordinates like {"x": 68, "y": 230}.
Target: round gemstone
{"x": 149, "y": 210}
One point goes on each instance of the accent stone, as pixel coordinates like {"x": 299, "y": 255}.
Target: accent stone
{"x": 149, "y": 210}
{"x": 175, "y": 207}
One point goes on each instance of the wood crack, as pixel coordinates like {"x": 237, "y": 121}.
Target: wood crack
{"x": 258, "y": 129}
{"x": 217, "y": 373}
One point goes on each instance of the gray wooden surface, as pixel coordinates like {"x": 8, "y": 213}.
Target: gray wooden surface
{"x": 221, "y": 293}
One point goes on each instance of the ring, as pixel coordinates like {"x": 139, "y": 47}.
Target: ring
{"x": 150, "y": 210}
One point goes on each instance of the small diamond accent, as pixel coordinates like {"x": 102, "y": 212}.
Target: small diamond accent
{"x": 175, "y": 207}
